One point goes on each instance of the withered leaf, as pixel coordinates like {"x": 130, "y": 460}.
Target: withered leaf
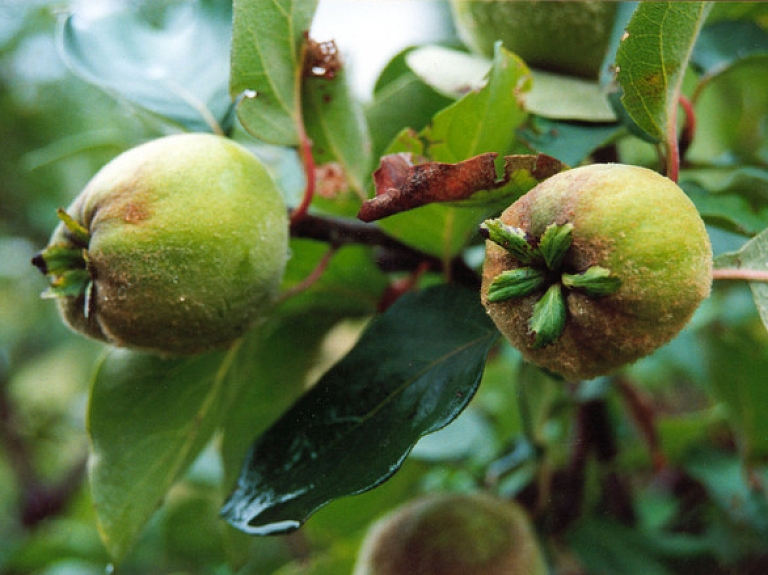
{"x": 402, "y": 185}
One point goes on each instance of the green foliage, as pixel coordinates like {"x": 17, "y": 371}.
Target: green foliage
{"x": 378, "y": 376}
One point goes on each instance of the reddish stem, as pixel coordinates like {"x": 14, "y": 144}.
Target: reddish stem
{"x": 642, "y": 413}
{"x": 305, "y": 147}
{"x": 689, "y": 126}
{"x": 399, "y": 287}
{"x": 739, "y": 274}
{"x": 313, "y": 276}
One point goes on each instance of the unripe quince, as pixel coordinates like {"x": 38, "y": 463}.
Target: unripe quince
{"x": 565, "y": 37}
{"x": 176, "y": 246}
{"x": 452, "y": 534}
{"x": 625, "y": 263}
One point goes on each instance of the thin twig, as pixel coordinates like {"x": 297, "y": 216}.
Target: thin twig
{"x": 740, "y": 274}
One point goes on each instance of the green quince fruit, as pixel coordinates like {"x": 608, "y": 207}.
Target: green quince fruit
{"x": 595, "y": 268}
{"x": 452, "y": 534}
{"x": 175, "y": 247}
{"x": 564, "y": 37}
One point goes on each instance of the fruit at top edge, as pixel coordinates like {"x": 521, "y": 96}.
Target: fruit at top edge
{"x": 564, "y": 37}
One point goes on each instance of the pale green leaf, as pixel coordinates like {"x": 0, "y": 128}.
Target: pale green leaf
{"x": 652, "y": 59}
{"x": 335, "y": 124}
{"x": 267, "y": 66}
{"x": 753, "y": 256}
{"x": 148, "y": 419}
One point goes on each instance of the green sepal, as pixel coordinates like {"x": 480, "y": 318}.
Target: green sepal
{"x": 555, "y": 243}
{"x": 80, "y": 236}
{"x": 71, "y": 283}
{"x": 595, "y": 282}
{"x": 515, "y": 283}
{"x": 59, "y": 258}
{"x": 511, "y": 239}
{"x": 548, "y": 320}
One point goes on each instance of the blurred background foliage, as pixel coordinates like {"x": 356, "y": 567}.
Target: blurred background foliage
{"x": 705, "y": 514}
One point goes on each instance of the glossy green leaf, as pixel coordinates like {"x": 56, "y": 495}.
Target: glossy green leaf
{"x": 270, "y": 372}
{"x": 412, "y": 372}
{"x": 480, "y": 122}
{"x": 652, "y": 60}
{"x": 335, "y": 124}
{"x": 752, "y": 256}
{"x": 267, "y": 66}
{"x": 148, "y": 419}
{"x": 175, "y": 67}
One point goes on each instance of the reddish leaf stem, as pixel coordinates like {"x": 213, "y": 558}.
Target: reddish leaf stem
{"x": 689, "y": 126}
{"x": 305, "y": 147}
{"x": 401, "y": 286}
{"x": 740, "y": 274}
{"x": 673, "y": 150}
{"x": 642, "y": 413}
{"x": 313, "y": 276}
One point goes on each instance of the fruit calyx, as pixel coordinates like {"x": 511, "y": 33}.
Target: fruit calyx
{"x": 67, "y": 263}
{"x": 543, "y": 272}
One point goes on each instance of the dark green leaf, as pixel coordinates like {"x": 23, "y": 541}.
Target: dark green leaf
{"x": 652, "y": 60}
{"x": 176, "y": 68}
{"x": 270, "y": 373}
{"x": 412, "y": 372}
{"x": 148, "y": 419}
{"x": 267, "y": 66}
{"x": 515, "y": 283}
{"x": 548, "y": 319}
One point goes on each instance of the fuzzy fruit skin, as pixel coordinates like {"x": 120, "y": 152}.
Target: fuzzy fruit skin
{"x": 636, "y": 223}
{"x": 565, "y": 37}
{"x": 188, "y": 245}
{"x": 452, "y": 534}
